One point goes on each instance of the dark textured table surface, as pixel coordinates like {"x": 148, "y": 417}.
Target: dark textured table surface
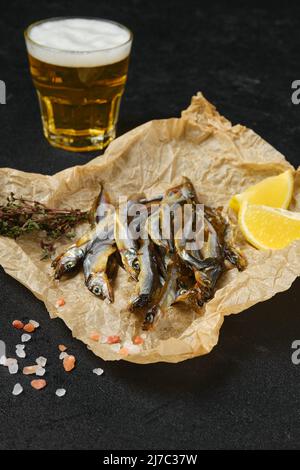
{"x": 245, "y": 394}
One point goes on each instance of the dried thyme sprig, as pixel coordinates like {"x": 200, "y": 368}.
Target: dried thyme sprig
{"x": 19, "y": 216}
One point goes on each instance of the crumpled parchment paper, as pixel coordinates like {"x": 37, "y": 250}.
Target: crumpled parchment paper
{"x": 221, "y": 160}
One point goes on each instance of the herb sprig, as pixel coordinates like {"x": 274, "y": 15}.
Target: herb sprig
{"x": 20, "y": 216}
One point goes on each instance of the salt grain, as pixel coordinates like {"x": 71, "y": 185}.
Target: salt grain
{"x": 17, "y": 389}
{"x": 124, "y": 351}
{"x": 94, "y": 336}
{"x": 20, "y": 353}
{"x": 69, "y": 363}
{"x": 18, "y": 324}
{"x": 115, "y": 347}
{"x": 137, "y": 340}
{"x": 61, "y": 302}
{"x": 34, "y": 323}
{"x": 63, "y": 355}
{"x": 38, "y": 384}
{"x": 3, "y": 360}
{"x": 60, "y": 392}
{"x": 13, "y": 368}
{"x": 98, "y": 371}
{"x": 114, "y": 339}
{"x": 132, "y": 348}
{"x": 40, "y": 371}
{"x": 10, "y": 360}
{"x": 30, "y": 370}
{"x": 29, "y": 328}
{"x": 41, "y": 361}
{"x": 25, "y": 337}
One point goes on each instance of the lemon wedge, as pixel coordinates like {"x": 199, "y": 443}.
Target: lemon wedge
{"x": 269, "y": 228}
{"x": 275, "y": 191}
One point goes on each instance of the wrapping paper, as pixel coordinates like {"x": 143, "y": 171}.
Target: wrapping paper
{"x": 221, "y": 160}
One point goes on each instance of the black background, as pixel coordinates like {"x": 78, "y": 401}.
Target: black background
{"x": 246, "y": 393}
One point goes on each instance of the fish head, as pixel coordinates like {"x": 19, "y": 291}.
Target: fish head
{"x": 149, "y": 318}
{"x": 67, "y": 262}
{"x": 132, "y": 263}
{"x": 183, "y": 294}
{"x": 192, "y": 296}
{"x": 180, "y": 193}
{"x": 99, "y": 285}
{"x": 139, "y": 302}
{"x": 188, "y": 190}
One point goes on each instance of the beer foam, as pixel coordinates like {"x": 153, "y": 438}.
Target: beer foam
{"x": 78, "y": 42}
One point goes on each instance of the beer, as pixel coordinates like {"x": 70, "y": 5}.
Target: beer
{"x": 79, "y": 69}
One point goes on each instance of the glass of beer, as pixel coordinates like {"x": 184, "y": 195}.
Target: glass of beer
{"x": 79, "y": 69}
